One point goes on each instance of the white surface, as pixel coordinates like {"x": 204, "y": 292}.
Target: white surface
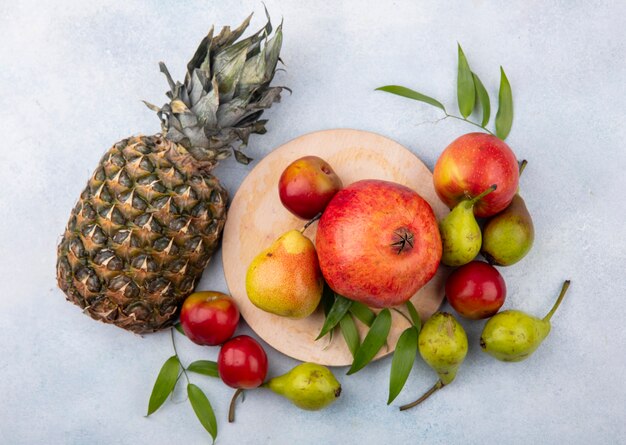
{"x": 71, "y": 78}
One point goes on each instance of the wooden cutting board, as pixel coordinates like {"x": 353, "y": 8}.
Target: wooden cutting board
{"x": 257, "y": 217}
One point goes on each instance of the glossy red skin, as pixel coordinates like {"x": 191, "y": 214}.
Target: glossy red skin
{"x": 354, "y": 243}
{"x": 307, "y": 185}
{"x": 242, "y": 363}
{"x": 470, "y": 165}
{"x": 476, "y": 290}
{"x": 209, "y": 318}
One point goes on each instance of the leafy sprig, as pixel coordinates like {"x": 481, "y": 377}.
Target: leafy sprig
{"x": 402, "y": 362}
{"x": 343, "y": 313}
{"x": 202, "y": 407}
{"x": 374, "y": 340}
{"x": 471, "y": 94}
{"x": 363, "y": 313}
{"x": 350, "y": 333}
{"x": 404, "y": 354}
{"x": 337, "y": 311}
{"x": 166, "y": 382}
{"x": 504, "y": 118}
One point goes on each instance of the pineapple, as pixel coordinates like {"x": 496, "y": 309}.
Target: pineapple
{"x": 152, "y": 213}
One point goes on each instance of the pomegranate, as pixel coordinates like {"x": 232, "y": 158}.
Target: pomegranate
{"x": 378, "y": 243}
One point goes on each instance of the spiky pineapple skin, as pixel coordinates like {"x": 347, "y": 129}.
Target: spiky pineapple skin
{"x": 141, "y": 234}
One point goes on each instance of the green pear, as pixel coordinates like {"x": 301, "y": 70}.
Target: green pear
{"x": 308, "y": 386}
{"x": 509, "y": 235}
{"x": 442, "y": 343}
{"x": 512, "y": 336}
{"x": 285, "y": 279}
{"x": 460, "y": 233}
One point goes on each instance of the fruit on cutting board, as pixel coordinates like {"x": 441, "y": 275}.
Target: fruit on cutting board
{"x": 308, "y": 386}
{"x": 442, "y": 343}
{"x": 209, "y": 318}
{"x": 378, "y": 243}
{"x": 242, "y": 363}
{"x": 460, "y": 234}
{"x": 476, "y": 290}
{"x": 470, "y": 165}
{"x": 509, "y": 235}
{"x": 285, "y": 278}
{"x": 307, "y": 185}
{"x": 512, "y": 336}
{"x": 152, "y": 213}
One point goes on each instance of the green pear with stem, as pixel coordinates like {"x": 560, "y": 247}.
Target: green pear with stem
{"x": 460, "y": 233}
{"x": 509, "y": 235}
{"x": 512, "y": 336}
{"x": 442, "y": 343}
{"x": 308, "y": 386}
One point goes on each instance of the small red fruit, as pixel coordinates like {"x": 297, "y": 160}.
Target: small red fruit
{"x": 476, "y": 290}
{"x": 307, "y": 185}
{"x": 470, "y": 165}
{"x": 242, "y": 363}
{"x": 209, "y": 318}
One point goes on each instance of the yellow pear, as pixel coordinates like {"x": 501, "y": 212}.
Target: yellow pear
{"x": 285, "y": 279}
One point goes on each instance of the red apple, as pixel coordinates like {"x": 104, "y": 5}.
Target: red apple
{"x": 476, "y": 290}
{"x": 242, "y": 363}
{"x": 209, "y": 318}
{"x": 307, "y": 185}
{"x": 470, "y": 165}
{"x": 378, "y": 243}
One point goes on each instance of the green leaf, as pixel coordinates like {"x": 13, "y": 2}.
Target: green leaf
{"x": 373, "y": 341}
{"x": 415, "y": 316}
{"x": 504, "y": 117}
{"x": 328, "y": 299}
{"x": 465, "y": 90}
{"x": 164, "y": 384}
{"x": 337, "y": 311}
{"x": 410, "y": 94}
{"x": 202, "y": 408}
{"x": 204, "y": 367}
{"x": 179, "y": 328}
{"x": 483, "y": 99}
{"x": 350, "y": 333}
{"x": 363, "y": 313}
{"x": 402, "y": 362}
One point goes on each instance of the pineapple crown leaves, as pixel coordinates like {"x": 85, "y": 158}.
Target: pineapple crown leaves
{"x": 226, "y": 90}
